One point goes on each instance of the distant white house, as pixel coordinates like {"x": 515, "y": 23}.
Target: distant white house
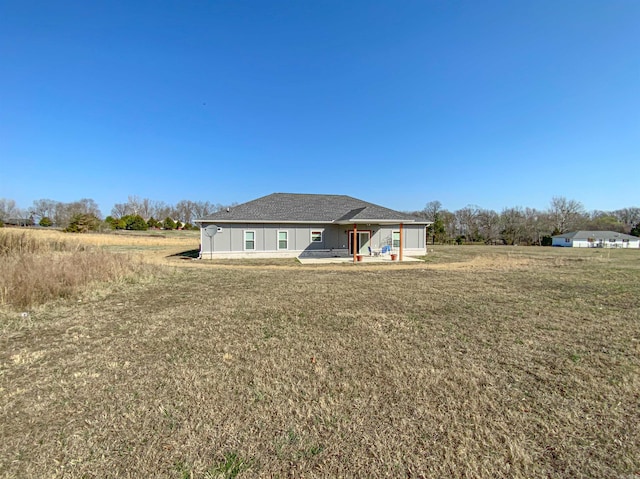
{"x": 596, "y": 239}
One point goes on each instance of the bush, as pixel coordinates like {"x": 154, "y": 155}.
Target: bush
{"x": 546, "y": 241}
{"x": 45, "y": 222}
{"x": 153, "y": 223}
{"x": 169, "y": 224}
{"x": 135, "y": 223}
{"x": 83, "y": 223}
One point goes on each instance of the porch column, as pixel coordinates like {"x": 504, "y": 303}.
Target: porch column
{"x": 354, "y": 242}
{"x": 401, "y": 245}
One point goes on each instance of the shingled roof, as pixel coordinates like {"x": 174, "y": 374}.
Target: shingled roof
{"x": 308, "y": 208}
{"x": 598, "y": 235}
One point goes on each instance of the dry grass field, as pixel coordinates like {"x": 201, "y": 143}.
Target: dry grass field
{"x": 481, "y": 362}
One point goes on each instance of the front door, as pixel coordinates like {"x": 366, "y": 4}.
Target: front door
{"x": 362, "y": 243}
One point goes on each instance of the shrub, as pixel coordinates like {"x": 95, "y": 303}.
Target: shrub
{"x": 45, "y": 222}
{"x": 135, "y": 223}
{"x": 169, "y": 224}
{"x": 153, "y": 223}
{"x": 83, "y": 223}
{"x": 546, "y": 241}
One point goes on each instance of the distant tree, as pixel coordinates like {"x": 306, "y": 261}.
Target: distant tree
{"x": 168, "y": 224}
{"x": 153, "y": 223}
{"x": 512, "y": 221}
{"x": 603, "y": 221}
{"x": 546, "y": 241}
{"x": 119, "y": 210}
{"x": 436, "y": 229}
{"x": 189, "y": 226}
{"x": 66, "y": 212}
{"x": 45, "y": 221}
{"x": 115, "y": 223}
{"x": 628, "y": 216}
{"x": 431, "y": 210}
{"x": 1, "y": 223}
{"x": 44, "y": 208}
{"x": 178, "y": 225}
{"x": 635, "y": 231}
{"x": 135, "y": 223}
{"x": 83, "y": 223}
{"x": 8, "y": 209}
{"x": 565, "y": 214}
{"x": 489, "y": 225}
{"x": 467, "y": 223}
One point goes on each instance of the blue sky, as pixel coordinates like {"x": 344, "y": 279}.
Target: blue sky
{"x": 491, "y": 103}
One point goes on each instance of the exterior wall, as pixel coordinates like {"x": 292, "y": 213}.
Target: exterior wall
{"x": 229, "y": 241}
{"x": 561, "y": 242}
{"x": 585, "y": 243}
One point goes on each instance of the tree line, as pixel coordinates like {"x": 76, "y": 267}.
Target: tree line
{"x": 85, "y": 215}
{"x": 515, "y": 225}
{"x": 527, "y": 226}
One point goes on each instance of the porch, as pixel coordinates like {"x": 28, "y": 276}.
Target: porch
{"x": 366, "y": 259}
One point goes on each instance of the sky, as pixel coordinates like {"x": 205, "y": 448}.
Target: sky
{"x": 478, "y": 102}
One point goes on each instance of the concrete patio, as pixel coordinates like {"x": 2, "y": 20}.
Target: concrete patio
{"x": 349, "y": 259}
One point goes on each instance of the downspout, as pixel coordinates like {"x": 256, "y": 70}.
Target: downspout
{"x": 354, "y": 242}
{"x": 401, "y": 245}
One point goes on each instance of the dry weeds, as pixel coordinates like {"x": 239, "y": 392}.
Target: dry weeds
{"x": 525, "y": 363}
{"x": 37, "y": 268}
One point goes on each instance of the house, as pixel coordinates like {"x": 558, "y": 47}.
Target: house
{"x": 19, "y": 222}
{"x": 595, "y": 239}
{"x": 308, "y": 225}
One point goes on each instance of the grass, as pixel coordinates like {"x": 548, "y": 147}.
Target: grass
{"x": 40, "y": 268}
{"x": 480, "y": 362}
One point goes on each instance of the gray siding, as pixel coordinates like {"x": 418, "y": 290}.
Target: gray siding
{"x": 230, "y": 239}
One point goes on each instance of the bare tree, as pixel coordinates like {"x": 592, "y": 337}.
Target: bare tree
{"x": 43, "y": 208}
{"x": 185, "y": 210}
{"x": 565, "y": 214}
{"x": 489, "y": 225}
{"x": 628, "y": 216}
{"x": 203, "y": 208}
{"x": 431, "y": 210}
{"x": 8, "y": 209}
{"x": 467, "y": 222}
{"x": 536, "y": 226}
{"x": 512, "y": 221}
{"x": 64, "y": 212}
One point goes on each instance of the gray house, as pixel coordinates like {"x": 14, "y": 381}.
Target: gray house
{"x": 292, "y": 225}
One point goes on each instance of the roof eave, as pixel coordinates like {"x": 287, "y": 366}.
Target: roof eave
{"x": 248, "y": 221}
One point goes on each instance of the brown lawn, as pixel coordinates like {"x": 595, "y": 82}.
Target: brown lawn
{"x": 479, "y": 362}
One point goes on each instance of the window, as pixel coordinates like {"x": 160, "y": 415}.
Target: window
{"x": 249, "y": 240}
{"x": 316, "y": 236}
{"x": 283, "y": 239}
{"x": 567, "y": 240}
{"x": 396, "y": 239}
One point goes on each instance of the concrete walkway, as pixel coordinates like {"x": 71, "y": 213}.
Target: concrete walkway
{"x": 349, "y": 259}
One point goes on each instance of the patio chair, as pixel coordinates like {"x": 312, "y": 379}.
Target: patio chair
{"x": 385, "y": 250}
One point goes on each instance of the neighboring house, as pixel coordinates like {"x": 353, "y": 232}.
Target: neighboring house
{"x": 596, "y": 239}
{"x": 18, "y": 222}
{"x": 291, "y": 225}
